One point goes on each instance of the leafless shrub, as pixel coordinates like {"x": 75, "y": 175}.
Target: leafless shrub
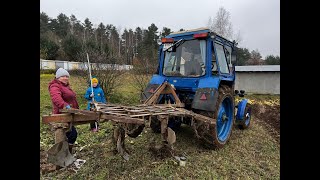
{"x": 106, "y": 69}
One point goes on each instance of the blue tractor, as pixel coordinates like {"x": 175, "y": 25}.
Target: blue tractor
{"x": 199, "y": 65}
{"x": 194, "y": 85}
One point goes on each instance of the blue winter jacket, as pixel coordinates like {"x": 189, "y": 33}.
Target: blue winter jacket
{"x": 98, "y": 95}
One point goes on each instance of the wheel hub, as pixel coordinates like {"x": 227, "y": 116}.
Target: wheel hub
{"x": 224, "y": 117}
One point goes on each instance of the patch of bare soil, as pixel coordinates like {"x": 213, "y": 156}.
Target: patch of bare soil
{"x": 269, "y": 116}
{"x": 45, "y": 167}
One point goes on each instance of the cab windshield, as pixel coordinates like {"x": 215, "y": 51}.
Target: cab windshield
{"x": 188, "y": 59}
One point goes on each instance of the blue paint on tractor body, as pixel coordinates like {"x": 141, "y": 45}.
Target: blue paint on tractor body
{"x": 157, "y": 79}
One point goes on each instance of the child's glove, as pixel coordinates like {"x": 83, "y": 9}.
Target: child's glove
{"x": 68, "y": 106}
{"x": 91, "y": 95}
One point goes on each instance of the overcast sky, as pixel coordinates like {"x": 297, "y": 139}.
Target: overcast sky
{"x": 257, "y": 20}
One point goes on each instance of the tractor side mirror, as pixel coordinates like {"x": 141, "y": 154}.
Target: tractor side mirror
{"x": 168, "y": 47}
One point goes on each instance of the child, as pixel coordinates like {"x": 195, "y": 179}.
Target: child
{"x": 98, "y": 96}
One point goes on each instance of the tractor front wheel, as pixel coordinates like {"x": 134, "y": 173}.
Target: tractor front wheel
{"x": 247, "y": 119}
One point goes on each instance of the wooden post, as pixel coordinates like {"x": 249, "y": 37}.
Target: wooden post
{"x": 60, "y": 131}
{"x": 164, "y": 126}
{"x": 60, "y": 135}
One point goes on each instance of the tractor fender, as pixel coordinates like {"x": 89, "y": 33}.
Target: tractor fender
{"x": 157, "y": 79}
{"x": 205, "y": 99}
{"x": 241, "y": 109}
{"x": 207, "y": 94}
{"x": 148, "y": 91}
{"x": 154, "y": 83}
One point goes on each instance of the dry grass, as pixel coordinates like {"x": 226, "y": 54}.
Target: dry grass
{"x": 250, "y": 154}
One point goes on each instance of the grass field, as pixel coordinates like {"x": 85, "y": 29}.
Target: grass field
{"x": 250, "y": 154}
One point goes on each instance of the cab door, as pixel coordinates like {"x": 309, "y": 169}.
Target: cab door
{"x": 223, "y": 61}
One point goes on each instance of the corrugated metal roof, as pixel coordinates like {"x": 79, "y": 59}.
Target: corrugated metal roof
{"x": 272, "y": 68}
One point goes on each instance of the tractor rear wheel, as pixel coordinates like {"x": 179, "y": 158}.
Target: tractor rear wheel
{"x": 216, "y": 136}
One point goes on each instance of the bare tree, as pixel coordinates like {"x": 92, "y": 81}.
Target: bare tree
{"x": 105, "y": 68}
{"x": 237, "y": 37}
{"x": 210, "y": 23}
{"x": 222, "y": 25}
{"x": 142, "y": 72}
{"x": 255, "y": 58}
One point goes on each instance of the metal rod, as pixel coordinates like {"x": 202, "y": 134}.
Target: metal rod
{"x": 90, "y": 76}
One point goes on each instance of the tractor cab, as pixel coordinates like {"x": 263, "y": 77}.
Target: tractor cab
{"x": 184, "y": 59}
{"x": 191, "y": 61}
{"x": 196, "y": 53}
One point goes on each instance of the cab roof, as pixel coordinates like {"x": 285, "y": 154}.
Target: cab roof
{"x": 194, "y": 31}
{"x": 188, "y": 32}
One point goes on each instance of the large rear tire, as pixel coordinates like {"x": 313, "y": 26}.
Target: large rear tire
{"x": 216, "y": 136}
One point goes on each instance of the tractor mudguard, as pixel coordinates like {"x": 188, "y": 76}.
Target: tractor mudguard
{"x": 205, "y": 99}
{"x": 241, "y": 109}
{"x": 148, "y": 91}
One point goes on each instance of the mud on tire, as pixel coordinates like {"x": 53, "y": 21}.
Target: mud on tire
{"x": 209, "y": 133}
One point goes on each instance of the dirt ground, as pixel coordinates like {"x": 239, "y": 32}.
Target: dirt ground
{"x": 44, "y": 166}
{"x": 266, "y": 115}
{"x": 269, "y": 116}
